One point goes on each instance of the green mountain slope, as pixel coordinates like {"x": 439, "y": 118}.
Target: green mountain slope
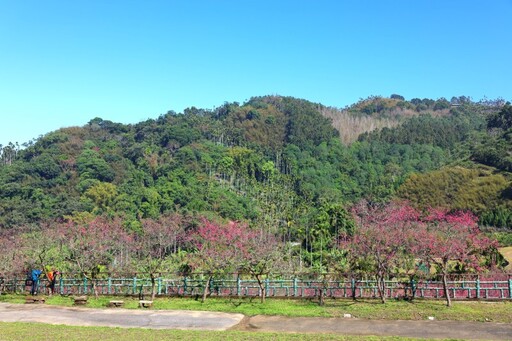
{"x": 277, "y": 162}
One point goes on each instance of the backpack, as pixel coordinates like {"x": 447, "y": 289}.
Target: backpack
{"x": 35, "y": 275}
{"x": 28, "y": 280}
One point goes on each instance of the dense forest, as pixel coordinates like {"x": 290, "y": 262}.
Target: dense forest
{"x": 279, "y": 164}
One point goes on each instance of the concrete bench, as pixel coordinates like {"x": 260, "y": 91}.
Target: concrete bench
{"x": 34, "y": 299}
{"x": 80, "y": 300}
{"x": 116, "y": 304}
{"x": 145, "y": 304}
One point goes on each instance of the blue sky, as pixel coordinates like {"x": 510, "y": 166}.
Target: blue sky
{"x": 63, "y": 63}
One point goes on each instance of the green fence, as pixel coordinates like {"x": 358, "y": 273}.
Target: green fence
{"x": 282, "y": 287}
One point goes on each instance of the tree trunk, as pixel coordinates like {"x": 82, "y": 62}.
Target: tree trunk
{"x": 94, "y": 275}
{"x": 445, "y": 289}
{"x": 262, "y": 289}
{"x": 153, "y": 285}
{"x": 206, "y": 289}
{"x": 93, "y": 285}
{"x": 413, "y": 289}
{"x": 321, "y": 291}
{"x": 381, "y": 286}
{"x": 95, "y": 289}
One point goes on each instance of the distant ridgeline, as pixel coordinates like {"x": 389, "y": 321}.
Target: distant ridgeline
{"x": 276, "y": 162}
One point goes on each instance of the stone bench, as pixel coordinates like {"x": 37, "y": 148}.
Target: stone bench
{"x": 115, "y": 304}
{"x": 145, "y": 304}
{"x": 34, "y": 299}
{"x": 80, "y": 300}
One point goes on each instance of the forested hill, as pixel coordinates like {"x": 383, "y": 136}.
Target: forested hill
{"x": 277, "y": 162}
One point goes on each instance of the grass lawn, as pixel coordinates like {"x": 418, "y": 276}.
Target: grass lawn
{"x": 367, "y": 309}
{"x": 35, "y": 332}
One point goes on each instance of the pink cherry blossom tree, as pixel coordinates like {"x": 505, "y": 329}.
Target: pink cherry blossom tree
{"x": 378, "y": 244}
{"x": 264, "y": 254}
{"x": 42, "y": 247}
{"x": 447, "y": 240}
{"x": 90, "y": 246}
{"x": 159, "y": 240}
{"x": 12, "y": 258}
{"x": 219, "y": 249}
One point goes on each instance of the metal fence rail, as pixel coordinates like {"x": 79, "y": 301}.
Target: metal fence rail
{"x": 289, "y": 287}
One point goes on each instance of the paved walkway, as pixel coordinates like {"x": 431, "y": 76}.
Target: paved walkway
{"x": 179, "y": 319}
{"x": 352, "y": 326}
{"x": 115, "y": 317}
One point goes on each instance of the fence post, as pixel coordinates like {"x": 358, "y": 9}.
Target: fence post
{"x": 413, "y": 288}
{"x": 295, "y": 286}
{"x": 159, "y": 290}
{"x": 85, "y": 285}
{"x": 509, "y": 287}
{"x": 109, "y": 285}
{"x": 185, "y": 285}
{"x": 266, "y": 287}
{"x": 353, "y": 287}
{"x": 134, "y": 285}
{"x": 478, "y": 287}
{"x": 238, "y": 285}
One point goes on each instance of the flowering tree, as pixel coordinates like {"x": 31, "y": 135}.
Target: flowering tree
{"x": 157, "y": 243}
{"x": 263, "y": 255}
{"x": 448, "y": 240}
{"x": 378, "y": 243}
{"x": 12, "y": 258}
{"x": 219, "y": 248}
{"x": 90, "y": 246}
{"x": 42, "y": 247}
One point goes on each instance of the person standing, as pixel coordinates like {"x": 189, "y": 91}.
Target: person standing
{"x": 52, "y": 279}
{"x": 35, "y": 280}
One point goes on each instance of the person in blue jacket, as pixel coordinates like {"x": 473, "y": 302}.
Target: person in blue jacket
{"x": 35, "y": 280}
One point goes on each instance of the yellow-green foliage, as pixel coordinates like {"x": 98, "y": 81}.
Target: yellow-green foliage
{"x": 455, "y": 188}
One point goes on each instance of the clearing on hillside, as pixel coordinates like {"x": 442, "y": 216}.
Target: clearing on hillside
{"x": 507, "y": 253}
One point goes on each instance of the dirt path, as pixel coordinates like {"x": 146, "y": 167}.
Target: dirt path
{"x": 200, "y": 320}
